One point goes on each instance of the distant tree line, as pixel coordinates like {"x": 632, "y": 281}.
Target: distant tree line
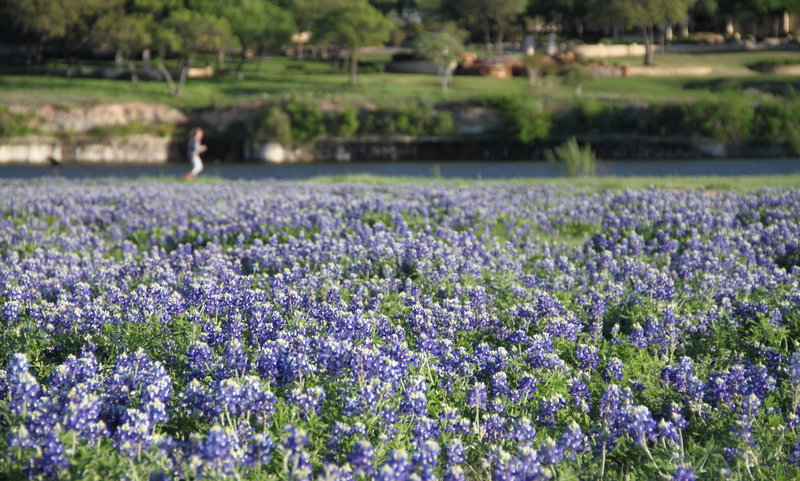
{"x": 241, "y": 29}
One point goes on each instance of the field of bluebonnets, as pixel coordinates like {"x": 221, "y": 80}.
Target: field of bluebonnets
{"x": 272, "y": 330}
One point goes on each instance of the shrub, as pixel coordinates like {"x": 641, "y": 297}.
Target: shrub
{"x": 274, "y": 126}
{"x": 525, "y": 120}
{"x": 443, "y": 124}
{"x": 577, "y": 161}
{"x": 14, "y": 125}
{"x": 730, "y": 119}
{"x": 414, "y": 118}
{"x": 779, "y": 122}
{"x": 575, "y": 74}
{"x": 306, "y": 119}
{"x": 346, "y": 123}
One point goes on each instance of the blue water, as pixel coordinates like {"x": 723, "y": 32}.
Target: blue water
{"x": 446, "y": 169}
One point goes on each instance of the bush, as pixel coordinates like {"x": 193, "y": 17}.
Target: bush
{"x": 346, "y": 123}
{"x": 306, "y": 119}
{"x": 730, "y": 119}
{"x": 443, "y": 124}
{"x": 779, "y": 122}
{"x": 274, "y": 126}
{"x": 414, "y": 118}
{"x": 14, "y": 125}
{"x": 577, "y": 161}
{"x": 525, "y": 120}
{"x": 575, "y": 74}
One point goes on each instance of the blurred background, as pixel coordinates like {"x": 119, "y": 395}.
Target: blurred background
{"x": 476, "y": 88}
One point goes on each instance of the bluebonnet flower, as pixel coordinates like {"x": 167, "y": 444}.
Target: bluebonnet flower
{"x": 548, "y": 409}
{"x": 580, "y": 395}
{"x": 454, "y": 473}
{"x": 640, "y": 425}
{"x": 794, "y": 457}
{"x": 424, "y": 429}
{"x": 200, "y": 359}
{"x": 524, "y": 431}
{"x": 425, "y": 459}
{"x": 573, "y": 440}
{"x": 683, "y": 473}
{"x": 456, "y": 453}
{"x": 613, "y": 370}
{"x": 397, "y": 467}
{"x": 296, "y": 461}
{"x": 309, "y": 400}
{"x": 500, "y": 385}
{"x": 587, "y": 357}
{"x": 477, "y": 396}
{"x": 362, "y": 458}
{"x": 23, "y": 389}
{"x": 494, "y": 427}
{"x": 51, "y": 462}
{"x": 259, "y": 450}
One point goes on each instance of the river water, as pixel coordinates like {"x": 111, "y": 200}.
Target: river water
{"x": 445, "y": 169}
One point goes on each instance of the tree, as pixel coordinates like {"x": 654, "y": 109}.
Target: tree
{"x": 70, "y": 22}
{"x": 444, "y": 50}
{"x": 128, "y": 34}
{"x": 564, "y": 12}
{"x": 256, "y": 24}
{"x": 186, "y": 33}
{"x": 494, "y": 13}
{"x": 352, "y": 26}
{"x": 645, "y": 15}
{"x": 753, "y": 11}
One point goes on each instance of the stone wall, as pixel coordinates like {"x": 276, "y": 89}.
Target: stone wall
{"x": 77, "y": 120}
{"x": 132, "y": 149}
{"x": 610, "y": 51}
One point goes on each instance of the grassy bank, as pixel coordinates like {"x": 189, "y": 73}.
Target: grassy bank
{"x": 277, "y": 77}
{"x": 591, "y": 184}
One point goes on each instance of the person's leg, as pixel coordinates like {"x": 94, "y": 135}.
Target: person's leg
{"x": 197, "y": 165}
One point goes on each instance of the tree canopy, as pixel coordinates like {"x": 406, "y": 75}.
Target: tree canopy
{"x": 352, "y": 26}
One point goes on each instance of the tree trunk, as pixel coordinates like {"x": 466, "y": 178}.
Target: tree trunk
{"x": 182, "y": 78}
{"x": 134, "y": 74}
{"x": 500, "y": 41}
{"x": 240, "y": 65}
{"x": 579, "y": 28}
{"x": 220, "y": 61}
{"x": 353, "y": 66}
{"x": 443, "y": 79}
{"x": 487, "y": 34}
{"x": 647, "y": 33}
{"x": 167, "y": 77}
{"x": 533, "y": 76}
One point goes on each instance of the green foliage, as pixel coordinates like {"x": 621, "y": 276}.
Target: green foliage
{"x": 444, "y": 50}
{"x": 575, "y": 74}
{"x": 135, "y": 128}
{"x": 779, "y": 122}
{"x": 730, "y": 119}
{"x": 306, "y": 119}
{"x": 412, "y": 118}
{"x": 257, "y": 24}
{"x": 577, "y": 161}
{"x": 346, "y": 123}
{"x": 441, "y": 48}
{"x": 354, "y": 25}
{"x": 443, "y": 124}
{"x": 14, "y": 125}
{"x": 200, "y": 32}
{"x": 274, "y": 126}
{"x": 525, "y": 119}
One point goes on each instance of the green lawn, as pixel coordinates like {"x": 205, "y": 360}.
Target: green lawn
{"x": 710, "y": 183}
{"x": 278, "y": 77}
